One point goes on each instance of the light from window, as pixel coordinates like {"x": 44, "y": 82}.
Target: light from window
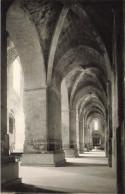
{"x": 96, "y": 125}
{"x": 16, "y": 76}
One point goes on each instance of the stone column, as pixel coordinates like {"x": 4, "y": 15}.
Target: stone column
{"x": 85, "y": 137}
{"x": 9, "y": 168}
{"x": 121, "y": 129}
{"x": 77, "y": 130}
{"x": 73, "y": 151}
{"x": 123, "y": 151}
{"x": 123, "y": 123}
{"x": 89, "y": 144}
{"x": 120, "y": 157}
{"x": 35, "y": 126}
{"x": 81, "y": 144}
{"x": 54, "y": 133}
{"x": 109, "y": 125}
{"x": 65, "y": 130}
{"x": 65, "y": 117}
{"x": 90, "y": 139}
{"x": 106, "y": 142}
{"x": 43, "y": 143}
{"x": 110, "y": 152}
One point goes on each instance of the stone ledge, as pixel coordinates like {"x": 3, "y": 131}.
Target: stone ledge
{"x": 48, "y": 159}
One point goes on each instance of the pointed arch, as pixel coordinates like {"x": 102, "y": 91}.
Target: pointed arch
{"x": 24, "y": 35}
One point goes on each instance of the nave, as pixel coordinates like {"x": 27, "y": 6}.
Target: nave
{"x": 88, "y": 173}
{"x": 63, "y": 94}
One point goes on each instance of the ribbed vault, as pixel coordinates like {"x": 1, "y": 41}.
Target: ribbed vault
{"x": 67, "y": 45}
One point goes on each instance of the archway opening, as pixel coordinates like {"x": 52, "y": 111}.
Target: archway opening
{"x": 16, "y": 76}
{"x": 97, "y": 133}
{"x": 96, "y": 125}
{"x": 16, "y": 120}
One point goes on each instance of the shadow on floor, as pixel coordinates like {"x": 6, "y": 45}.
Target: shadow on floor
{"x": 94, "y": 157}
{"x": 25, "y": 188}
{"x": 94, "y": 152}
{"x": 72, "y": 164}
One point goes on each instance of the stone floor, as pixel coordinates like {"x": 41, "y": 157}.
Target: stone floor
{"x": 88, "y": 173}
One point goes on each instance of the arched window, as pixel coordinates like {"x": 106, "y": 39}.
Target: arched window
{"x": 96, "y": 125}
{"x": 11, "y": 123}
{"x": 16, "y": 76}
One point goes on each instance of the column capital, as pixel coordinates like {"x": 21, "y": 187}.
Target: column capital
{"x": 53, "y": 88}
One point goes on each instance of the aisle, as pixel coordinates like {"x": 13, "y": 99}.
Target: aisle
{"x": 88, "y": 173}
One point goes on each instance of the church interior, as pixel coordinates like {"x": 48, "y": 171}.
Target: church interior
{"x": 63, "y": 96}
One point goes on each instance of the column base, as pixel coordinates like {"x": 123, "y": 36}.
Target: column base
{"x": 71, "y": 153}
{"x": 81, "y": 151}
{"x": 46, "y": 159}
{"x": 86, "y": 150}
{"x": 9, "y": 174}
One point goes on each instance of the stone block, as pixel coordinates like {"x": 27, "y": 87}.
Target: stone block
{"x": 71, "y": 153}
{"x": 81, "y": 151}
{"x": 9, "y": 174}
{"x": 4, "y": 144}
{"x": 86, "y": 149}
{"x": 47, "y": 159}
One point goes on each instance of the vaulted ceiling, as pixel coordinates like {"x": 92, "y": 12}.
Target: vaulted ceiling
{"x": 76, "y": 42}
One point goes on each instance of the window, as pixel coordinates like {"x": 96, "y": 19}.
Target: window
{"x": 96, "y": 125}
{"x": 16, "y": 76}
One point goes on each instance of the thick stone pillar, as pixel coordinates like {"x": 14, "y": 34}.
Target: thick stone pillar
{"x": 43, "y": 143}
{"x": 123, "y": 153}
{"x": 114, "y": 113}
{"x": 65, "y": 130}
{"x": 106, "y": 142}
{"x": 81, "y": 143}
{"x": 90, "y": 139}
{"x": 109, "y": 125}
{"x": 35, "y": 126}
{"x": 110, "y": 152}
{"x": 77, "y": 130}
{"x": 65, "y": 117}
{"x": 123, "y": 123}
{"x": 86, "y": 148}
{"x": 121, "y": 130}
{"x": 54, "y": 133}
{"x": 119, "y": 170}
{"x": 9, "y": 168}
{"x": 73, "y": 151}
